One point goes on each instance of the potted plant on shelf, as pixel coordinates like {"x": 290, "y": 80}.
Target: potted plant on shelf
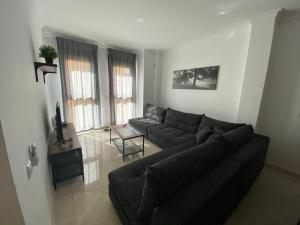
{"x": 48, "y": 53}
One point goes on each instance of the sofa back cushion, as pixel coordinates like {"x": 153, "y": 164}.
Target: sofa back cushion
{"x": 236, "y": 138}
{"x": 213, "y": 124}
{"x": 203, "y": 134}
{"x": 154, "y": 113}
{"x": 166, "y": 177}
{"x": 185, "y": 121}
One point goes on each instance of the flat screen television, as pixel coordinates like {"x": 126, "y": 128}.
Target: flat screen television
{"x": 59, "y": 125}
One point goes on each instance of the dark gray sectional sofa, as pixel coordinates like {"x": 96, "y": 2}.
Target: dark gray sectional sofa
{"x": 206, "y": 168}
{"x": 167, "y": 128}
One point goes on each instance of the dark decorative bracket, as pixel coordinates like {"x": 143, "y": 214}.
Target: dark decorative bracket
{"x": 45, "y": 68}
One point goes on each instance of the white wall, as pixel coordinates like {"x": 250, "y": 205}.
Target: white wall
{"x": 23, "y": 108}
{"x": 158, "y": 65}
{"x": 229, "y": 51}
{"x": 104, "y": 86}
{"x": 279, "y": 115}
{"x": 149, "y": 76}
{"x": 140, "y": 83}
{"x": 10, "y": 210}
{"x": 262, "y": 29}
{"x": 152, "y": 72}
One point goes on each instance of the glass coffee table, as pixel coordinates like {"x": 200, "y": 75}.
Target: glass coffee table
{"x": 124, "y": 142}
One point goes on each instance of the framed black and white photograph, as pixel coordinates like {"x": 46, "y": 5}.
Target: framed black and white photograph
{"x": 205, "y": 78}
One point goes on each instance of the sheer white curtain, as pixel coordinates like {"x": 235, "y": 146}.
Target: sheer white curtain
{"x": 104, "y": 86}
{"x": 123, "y": 94}
{"x": 122, "y": 88}
{"x": 80, "y": 83}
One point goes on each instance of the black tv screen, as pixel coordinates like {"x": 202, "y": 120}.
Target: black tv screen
{"x": 59, "y": 131}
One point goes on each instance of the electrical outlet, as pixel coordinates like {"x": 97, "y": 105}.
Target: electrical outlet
{"x": 29, "y": 169}
{"x": 33, "y": 155}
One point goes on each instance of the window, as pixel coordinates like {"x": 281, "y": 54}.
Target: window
{"x": 123, "y": 96}
{"x": 82, "y": 96}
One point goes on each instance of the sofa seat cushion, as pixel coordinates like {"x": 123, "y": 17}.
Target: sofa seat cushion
{"x": 142, "y": 124}
{"x": 187, "y": 122}
{"x": 203, "y": 134}
{"x": 154, "y": 113}
{"x": 169, "y": 136}
{"x": 168, "y": 176}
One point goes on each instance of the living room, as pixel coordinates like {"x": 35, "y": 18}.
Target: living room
{"x": 139, "y": 112}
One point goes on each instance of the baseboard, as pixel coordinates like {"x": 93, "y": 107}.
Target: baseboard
{"x": 283, "y": 170}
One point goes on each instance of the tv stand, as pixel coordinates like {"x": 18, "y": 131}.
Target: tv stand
{"x": 65, "y": 157}
{"x": 63, "y": 141}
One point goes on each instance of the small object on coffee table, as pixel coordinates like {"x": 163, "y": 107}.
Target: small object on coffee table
{"x": 124, "y": 142}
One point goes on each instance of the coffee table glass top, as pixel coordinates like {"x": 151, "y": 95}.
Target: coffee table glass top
{"x": 124, "y": 142}
{"x": 127, "y": 132}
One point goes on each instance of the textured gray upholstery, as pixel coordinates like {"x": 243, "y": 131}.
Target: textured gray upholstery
{"x": 211, "y": 123}
{"x": 142, "y": 124}
{"x": 154, "y": 113}
{"x": 187, "y": 122}
{"x": 166, "y": 136}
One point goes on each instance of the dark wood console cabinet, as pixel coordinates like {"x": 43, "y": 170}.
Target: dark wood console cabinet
{"x": 65, "y": 159}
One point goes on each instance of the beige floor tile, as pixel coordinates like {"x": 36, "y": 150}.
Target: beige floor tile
{"x": 94, "y": 209}
{"x": 64, "y": 205}
{"x": 79, "y": 202}
{"x": 272, "y": 200}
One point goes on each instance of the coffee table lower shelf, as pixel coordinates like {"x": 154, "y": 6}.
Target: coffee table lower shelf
{"x": 127, "y": 147}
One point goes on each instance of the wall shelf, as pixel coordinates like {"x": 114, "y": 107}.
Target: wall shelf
{"x": 45, "y": 68}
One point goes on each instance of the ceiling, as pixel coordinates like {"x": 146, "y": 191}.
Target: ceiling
{"x": 169, "y": 22}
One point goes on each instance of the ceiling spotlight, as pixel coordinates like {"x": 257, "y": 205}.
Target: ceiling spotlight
{"x": 222, "y": 13}
{"x": 141, "y": 19}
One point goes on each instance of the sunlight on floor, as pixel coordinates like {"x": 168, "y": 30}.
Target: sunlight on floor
{"x": 87, "y": 203}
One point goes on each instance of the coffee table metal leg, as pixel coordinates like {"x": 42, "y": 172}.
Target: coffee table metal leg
{"x": 110, "y": 135}
{"x": 123, "y": 150}
{"x": 143, "y": 145}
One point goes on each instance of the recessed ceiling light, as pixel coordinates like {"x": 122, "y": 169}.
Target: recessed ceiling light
{"x": 222, "y": 13}
{"x": 141, "y": 19}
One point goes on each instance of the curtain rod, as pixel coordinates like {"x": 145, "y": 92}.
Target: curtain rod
{"x": 85, "y": 40}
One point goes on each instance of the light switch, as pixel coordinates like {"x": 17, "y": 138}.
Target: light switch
{"x": 29, "y": 169}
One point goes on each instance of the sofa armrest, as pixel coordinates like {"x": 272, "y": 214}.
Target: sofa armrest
{"x": 180, "y": 208}
{"x": 256, "y": 147}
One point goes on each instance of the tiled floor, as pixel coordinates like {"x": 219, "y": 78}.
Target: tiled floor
{"x": 274, "y": 198}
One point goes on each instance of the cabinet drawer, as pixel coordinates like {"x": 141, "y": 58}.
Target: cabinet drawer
{"x": 67, "y": 171}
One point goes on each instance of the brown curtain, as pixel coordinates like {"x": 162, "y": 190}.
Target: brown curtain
{"x": 122, "y": 85}
{"x": 80, "y": 83}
